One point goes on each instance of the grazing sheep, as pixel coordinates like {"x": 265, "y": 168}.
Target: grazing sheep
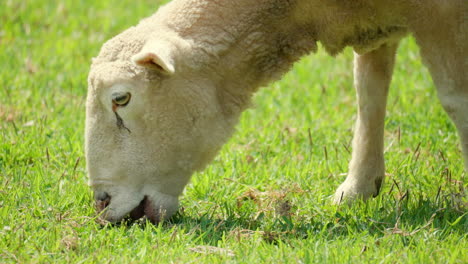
{"x": 165, "y": 95}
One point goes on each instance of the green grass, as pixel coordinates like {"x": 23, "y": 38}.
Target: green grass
{"x": 265, "y": 198}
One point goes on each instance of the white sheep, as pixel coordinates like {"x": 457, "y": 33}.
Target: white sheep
{"x": 165, "y": 95}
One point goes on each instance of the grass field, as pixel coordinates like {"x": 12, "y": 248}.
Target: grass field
{"x": 267, "y": 196}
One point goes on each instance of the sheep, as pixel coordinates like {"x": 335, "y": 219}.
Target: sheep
{"x": 165, "y": 95}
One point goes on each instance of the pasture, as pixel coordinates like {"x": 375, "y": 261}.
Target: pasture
{"x": 266, "y": 198}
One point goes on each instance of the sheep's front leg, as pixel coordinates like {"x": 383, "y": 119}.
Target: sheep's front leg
{"x": 372, "y": 76}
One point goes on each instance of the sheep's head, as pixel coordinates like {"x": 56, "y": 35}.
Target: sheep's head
{"x": 151, "y": 122}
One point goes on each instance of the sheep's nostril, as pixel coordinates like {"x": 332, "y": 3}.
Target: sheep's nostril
{"x": 102, "y": 201}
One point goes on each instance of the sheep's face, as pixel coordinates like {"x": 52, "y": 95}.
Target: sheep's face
{"x": 149, "y": 126}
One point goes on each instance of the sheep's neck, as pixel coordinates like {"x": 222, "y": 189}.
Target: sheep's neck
{"x": 256, "y": 42}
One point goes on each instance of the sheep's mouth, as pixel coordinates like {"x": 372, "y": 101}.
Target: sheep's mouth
{"x": 145, "y": 209}
{"x": 139, "y": 211}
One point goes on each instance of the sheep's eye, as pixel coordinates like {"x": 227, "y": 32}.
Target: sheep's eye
{"x": 121, "y": 99}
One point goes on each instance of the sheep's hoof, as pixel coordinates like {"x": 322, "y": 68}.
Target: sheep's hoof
{"x": 350, "y": 191}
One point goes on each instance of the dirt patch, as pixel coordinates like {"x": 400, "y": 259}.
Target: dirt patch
{"x": 8, "y": 114}
{"x": 276, "y": 202}
{"x": 208, "y": 250}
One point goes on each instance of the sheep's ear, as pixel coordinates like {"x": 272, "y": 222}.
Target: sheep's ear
{"x": 156, "y": 57}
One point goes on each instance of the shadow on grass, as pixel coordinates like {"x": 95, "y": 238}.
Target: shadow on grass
{"x": 406, "y": 217}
